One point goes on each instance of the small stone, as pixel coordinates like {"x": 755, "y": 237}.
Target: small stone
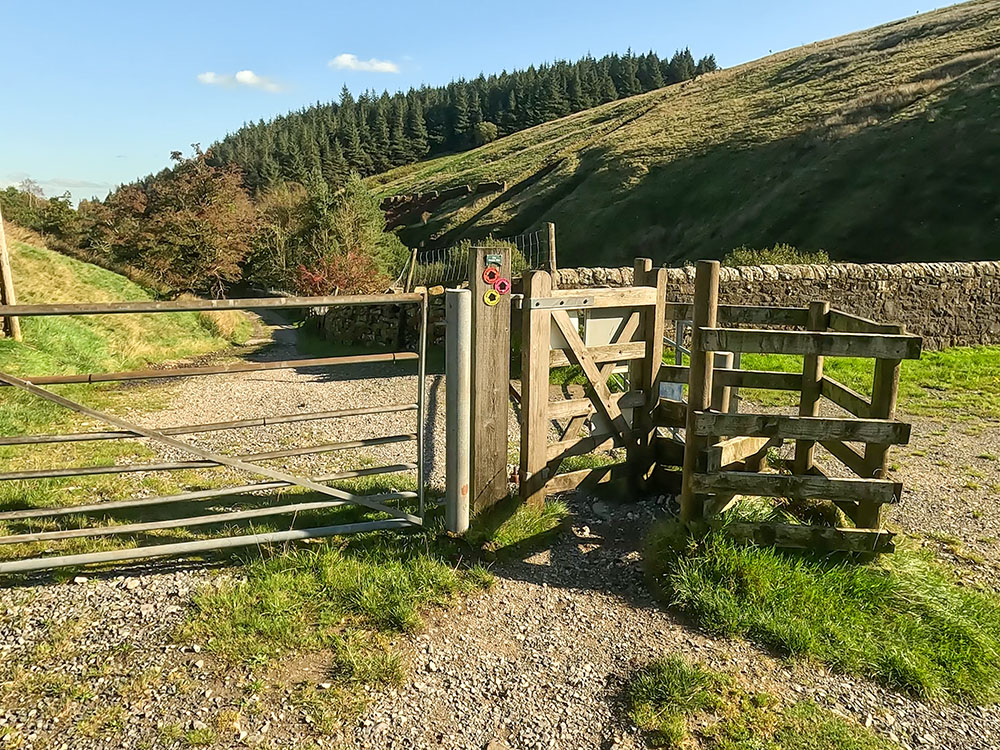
{"x": 196, "y": 724}
{"x": 199, "y": 664}
{"x": 324, "y": 686}
{"x": 80, "y": 579}
{"x": 132, "y": 584}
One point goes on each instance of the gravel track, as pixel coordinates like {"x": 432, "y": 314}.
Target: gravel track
{"x": 537, "y": 662}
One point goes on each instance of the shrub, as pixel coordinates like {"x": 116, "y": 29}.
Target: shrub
{"x": 779, "y": 255}
{"x": 352, "y": 273}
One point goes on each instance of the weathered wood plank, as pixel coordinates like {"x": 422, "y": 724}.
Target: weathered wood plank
{"x": 674, "y": 374}
{"x": 563, "y": 449}
{"x": 731, "y": 451}
{"x": 580, "y": 406}
{"x": 848, "y": 323}
{"x": 602, "y": 400}
{"x": 634, "y": 296}
{"x": 670, "y": 413}
{"x": 812, "y": 383}
{"x": 809, "y": 342}
{"x": 490, "y": 380}
{"x": 799, "y": 487}
{"x": 744, "y": 314}
{"x": 804, "y": 428}
{"x": 846, "y": 455}
{"x": 885, "y": 390}
{"x": 535, "y": 339}
{"x": 846, "y": 398}
{"x": 645, "y": 373}
{"x": 607, "y": 353}
{"x": 820, "y": 538}
{"x": 591, "y": 477}
{"x": 771, "y": 380}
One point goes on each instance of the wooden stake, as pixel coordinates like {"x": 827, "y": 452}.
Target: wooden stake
{"x": 705, "y": 314}
{"x": 11, "y": 324}
{"x": 812, "y": 384}
{"x": 490, "y": 384}
{"x": 535, "y": 340}
{"x": 409, "y": 274}
{"x": 885, "y": 390}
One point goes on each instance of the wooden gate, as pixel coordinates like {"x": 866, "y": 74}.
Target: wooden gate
{"x": 599, "y": 330}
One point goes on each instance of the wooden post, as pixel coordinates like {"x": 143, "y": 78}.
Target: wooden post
{"x": 644, "y": 373}
{"x": 706, "y": 309}
{"x": 535, "y": 338}
{"x": 11, "y": 324}
{"x": 722, "y": 394}
{"x": 812, "y": 383}
{"x": 551, "y": 246}
{"x": 490, "y": 383}
{"x": 885, "y": 390}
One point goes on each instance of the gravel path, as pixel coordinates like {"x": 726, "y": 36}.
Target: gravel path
{"x": 538, "y": 662}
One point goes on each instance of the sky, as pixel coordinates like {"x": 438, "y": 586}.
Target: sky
{"x": 96, "y": 94}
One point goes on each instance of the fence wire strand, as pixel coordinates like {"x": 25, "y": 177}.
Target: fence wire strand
{"x": 450, "y": 265}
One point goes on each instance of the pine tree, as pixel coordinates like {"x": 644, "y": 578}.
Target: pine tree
{"x": 416, "y": 130}
{"x": 379, "y": 137}
{"x": 399, "y": 145}
{"x": 460, "y": 116}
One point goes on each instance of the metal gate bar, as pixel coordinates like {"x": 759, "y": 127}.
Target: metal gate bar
{"x": 79, "y": 437}
{"x": 73, "y": 471}
{"x": 202, "y": 545}
{"x": 125, "y": 429}
{"x": 194, "y": 495}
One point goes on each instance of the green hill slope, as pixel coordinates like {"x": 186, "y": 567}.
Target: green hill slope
{"x": 92, "y": 343}
{"x": 880, "y": 145}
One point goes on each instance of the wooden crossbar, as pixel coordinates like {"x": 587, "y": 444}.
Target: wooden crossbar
{"x": 884, "y": 346}
{"x": 846, "y": 398}
{"x": 821, "y": 538}
{"x": 602, "y": 354}
{"x": 879, "y": 491}
{"x": 803, "y": 428}
{"x": 842, "y": 321}
{"x": 745, "y": 314}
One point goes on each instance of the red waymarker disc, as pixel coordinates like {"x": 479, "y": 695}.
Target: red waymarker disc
{"x": 502, "y": 285}
{"x": 491, "y": 274}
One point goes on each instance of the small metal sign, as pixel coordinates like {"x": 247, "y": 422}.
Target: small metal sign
{"x": 494, "y": 259}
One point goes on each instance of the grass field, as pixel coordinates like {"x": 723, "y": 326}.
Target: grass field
{"x": 902, "y": 621}
{"x": 879, "y": 145}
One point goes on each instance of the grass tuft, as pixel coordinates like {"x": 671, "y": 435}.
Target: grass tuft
{"x": 681, "y": 705}
{"x": 902, "y": 621}
{"x": 511, "y": 523}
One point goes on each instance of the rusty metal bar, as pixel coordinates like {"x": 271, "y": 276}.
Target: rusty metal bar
{"x": 202, "y": 545}
{"x": 198, "y": 305}
{"x": 235, "y": 463}
{"x": 205, "y": 520}
{"x": 79, "y": 437}
{"x": 194, "y": 495}
{"x": 86, "y": 471}
{"x": 183, "y": 372}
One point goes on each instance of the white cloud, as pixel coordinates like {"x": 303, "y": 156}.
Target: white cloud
{"x": 240, "y": 78}
{"x": 348, "y": 61}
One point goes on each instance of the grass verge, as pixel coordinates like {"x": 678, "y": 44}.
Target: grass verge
{"x": 682, "y": 705}
{"x": 901, "y": 621}
{"x": 511, "y": 524}
{"x": 940, "y": 383}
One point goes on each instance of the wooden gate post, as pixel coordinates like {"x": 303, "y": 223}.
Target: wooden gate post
{"x": 706, "y": 308}
{"x": 812, "y": 384}
{"x": 644, "y": 374}
{"x": 11, "y": 324}
{"x": 535, "y": 338}
{"x": 490, "y": 381}
{"x": 885, "y": 390}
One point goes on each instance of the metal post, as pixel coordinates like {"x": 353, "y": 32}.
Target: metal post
{"x": 421, "y": 398}
{"x": 458, "y": 413}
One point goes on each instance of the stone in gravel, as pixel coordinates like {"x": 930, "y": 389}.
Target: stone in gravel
{"x": 602, "y": 510}
{"x": 80, "y": 579}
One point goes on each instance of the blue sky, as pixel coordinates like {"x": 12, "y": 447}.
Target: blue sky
{"x": 95, "y": 94}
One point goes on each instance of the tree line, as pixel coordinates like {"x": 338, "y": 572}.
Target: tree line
{"x": 376, "y": 132}
{"x": 284, "y": 205}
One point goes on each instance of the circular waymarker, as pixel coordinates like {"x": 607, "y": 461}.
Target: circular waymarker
{"x": 502, "y": 285}
{"x": 491, "y": 274}
{"x": 491, "y": 297}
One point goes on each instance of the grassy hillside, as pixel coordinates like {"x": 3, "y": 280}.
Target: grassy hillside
{"x": 879, "y": 145}
{"x": 60, "y": 345}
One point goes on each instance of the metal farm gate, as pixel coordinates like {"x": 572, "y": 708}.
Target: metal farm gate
{"x": 394, "y": 509}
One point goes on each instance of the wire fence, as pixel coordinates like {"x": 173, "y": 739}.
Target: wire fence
{"x": 450, "y": 265}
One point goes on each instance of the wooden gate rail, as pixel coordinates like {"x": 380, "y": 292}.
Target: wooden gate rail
{"x": 124, "y": 429}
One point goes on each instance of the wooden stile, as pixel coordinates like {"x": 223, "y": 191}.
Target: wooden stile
{"x": 803, "y": 428}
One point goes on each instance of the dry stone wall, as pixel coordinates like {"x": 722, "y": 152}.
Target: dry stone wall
{"x": 949, "y": 304}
